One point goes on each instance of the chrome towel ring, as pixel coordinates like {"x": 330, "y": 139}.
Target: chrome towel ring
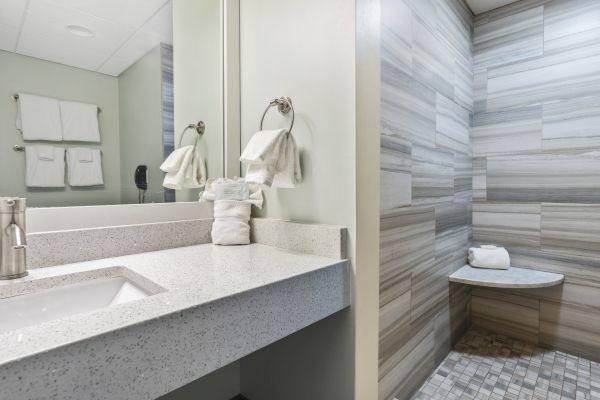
{"x": 284, "y": 105}
{"x": 199, "y": 127}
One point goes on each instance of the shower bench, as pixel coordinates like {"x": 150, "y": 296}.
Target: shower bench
{"x": 512, "y": 278}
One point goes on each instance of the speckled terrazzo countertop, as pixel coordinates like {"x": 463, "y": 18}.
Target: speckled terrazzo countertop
{"x": 219, "y": 304}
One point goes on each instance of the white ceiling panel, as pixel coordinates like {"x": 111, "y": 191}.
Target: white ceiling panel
{"x": 44, "y": 35}
{"x": 134, "y": 49}
{"x": 124, "y": 30}
{"x": 481, "y": 6}
{"x": 131, "y": 13}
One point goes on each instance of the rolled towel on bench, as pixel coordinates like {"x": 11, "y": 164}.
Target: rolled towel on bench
{"x": 491, "y": 257}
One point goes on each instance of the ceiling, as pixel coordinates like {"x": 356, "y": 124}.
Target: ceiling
{"x": 481, "y": 6}
{"x": 123, "y": 31}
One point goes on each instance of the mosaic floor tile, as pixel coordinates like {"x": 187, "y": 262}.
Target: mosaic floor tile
{"x": 489, "y": 366}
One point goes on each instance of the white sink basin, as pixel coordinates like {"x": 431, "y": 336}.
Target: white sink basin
{"x": 49, "y": 304}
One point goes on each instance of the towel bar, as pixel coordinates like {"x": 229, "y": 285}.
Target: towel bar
{"x": 21, "y": 149}
{"x": 284, "y": 105}
{"x": 16, "y": 97}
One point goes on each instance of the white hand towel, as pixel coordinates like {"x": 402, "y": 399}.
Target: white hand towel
{"x": 38, "y": 118}
{"x": 84, "y": 166}
{"x": 45, "y": 166}
{"x": 230, "y": 226}
{"x": 489, "y": 257}
{"x": 79, "y": 122}
{"x": 185, "y": 169}
{"x": 273, "y": 160}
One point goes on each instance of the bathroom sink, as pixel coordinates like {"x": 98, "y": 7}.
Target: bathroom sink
{"x": 49, "y": 304}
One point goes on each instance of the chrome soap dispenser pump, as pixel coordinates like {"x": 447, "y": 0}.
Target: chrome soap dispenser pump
{"x": 14, "y": 243}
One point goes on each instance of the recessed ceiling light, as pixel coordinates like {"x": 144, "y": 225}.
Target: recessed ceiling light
{"x": 79, "y": 30}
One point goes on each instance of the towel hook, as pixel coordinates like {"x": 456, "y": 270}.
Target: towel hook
{"x": 199, "y": 127}
{"x": 284, "y": 105}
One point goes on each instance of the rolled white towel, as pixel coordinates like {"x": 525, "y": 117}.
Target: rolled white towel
{"x": 231, "y": 222}
{"x": 491, "y": 257}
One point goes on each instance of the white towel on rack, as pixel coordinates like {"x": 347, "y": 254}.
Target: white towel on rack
{"x": 79, "y": 122}
{"x": 45, "y": 166}
{"x": 38, "y": 118}
{"x": 84, "y": 166}
{"x": 273, "y": 159}
{"x": 185, "y": 169}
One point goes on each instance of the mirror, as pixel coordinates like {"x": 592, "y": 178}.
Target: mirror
{"x": 147, "y": 68}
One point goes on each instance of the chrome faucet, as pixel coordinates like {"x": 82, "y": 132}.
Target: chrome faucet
{"x": 14, "y": 243}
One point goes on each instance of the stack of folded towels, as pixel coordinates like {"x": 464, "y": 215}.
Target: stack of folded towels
{"x": 233, "y": 200}
{"x": 185, "y": 169}
{"x": 489, "y": 256}
{"x": 272, "y": 158}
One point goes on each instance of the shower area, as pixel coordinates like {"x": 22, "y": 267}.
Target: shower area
{"x": 490, "y": 134}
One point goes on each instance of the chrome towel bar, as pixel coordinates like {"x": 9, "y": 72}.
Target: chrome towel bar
{"x": 16, "y": 98}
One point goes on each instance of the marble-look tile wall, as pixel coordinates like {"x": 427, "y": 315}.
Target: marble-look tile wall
{"x": 426, "y": 186}
{"x": 536, "y": 166}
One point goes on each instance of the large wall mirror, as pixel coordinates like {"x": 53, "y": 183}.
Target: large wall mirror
{"x": 149, "y": 68}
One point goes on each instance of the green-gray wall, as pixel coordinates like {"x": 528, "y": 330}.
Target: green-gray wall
{"x": 31, "y": 75}
{"x": 140, "y": 126}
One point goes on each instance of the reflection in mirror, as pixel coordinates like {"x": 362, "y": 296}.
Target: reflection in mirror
{"x": 91, "y": 97}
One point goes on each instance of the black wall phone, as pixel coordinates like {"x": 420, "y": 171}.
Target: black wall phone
{"x": 141, "y": 181}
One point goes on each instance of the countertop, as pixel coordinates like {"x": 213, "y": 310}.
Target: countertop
{"x": 219, "y": 304}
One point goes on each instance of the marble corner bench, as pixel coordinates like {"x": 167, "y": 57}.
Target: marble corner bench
{"x": 512, "y": 278}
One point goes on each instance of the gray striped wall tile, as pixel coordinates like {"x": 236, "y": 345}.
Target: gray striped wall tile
{"x": 572, "y": 124}
{"x": 407, "y": 107}
{"x": 556, "y": 178}
{"x": 394, "y": 327}
{"x": 512, "y": 131}
{"x": 507, "y": 314}
{"x": 396, "y": 35}
{"x": 558, "y": 51}
{"x": 515, "y": 37}
{"x": 452, "y": 125}
{"x": 451, "y": 217}
{"x": 510, "y": 9}
{"x": 408, "y": 366}
{"x": 463, "y": 83}
{"x": 406, "y": 244}
{"x": 454, "y": 25}
{"x": 433, "y": 63}
{"x": 479, "y": 178}
{"x": 571, "y": 228}
{"x": 396, "y": 185}
{"x": 576, "y": 268}
{"x": 480, "y": 90}
{"x": 507, "y": 224}
{"x": 424, "y": 10}
{"x": 463, "y": 178}
{"x": 562, "y": 18}
{"x": 432, "y": 175}
{"x": 571, "y": 328}
{"x": 567, "y": 80}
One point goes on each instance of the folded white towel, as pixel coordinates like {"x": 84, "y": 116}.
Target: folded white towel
{"x": 38, "y": 118}
{"x": 185, "y": 169}
{"x": 273, "y": 159}
{"x": 84, "y": 166}
{"x": 230, "y": 226}
{"x": 45, "y": 166}
{"x": 491, "y": 257}
{"x": 79, "y": 122}
{"x": 255, "y": 196}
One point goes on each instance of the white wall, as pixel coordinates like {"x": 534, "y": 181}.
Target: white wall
{"x": 26, "y": 74}
{"x": 198, "y": 79}
{"x": 305, "y": 50}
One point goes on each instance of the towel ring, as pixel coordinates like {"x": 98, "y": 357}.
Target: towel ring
{"x": 199, "y": 127}
{"x": 284, "y": 105}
